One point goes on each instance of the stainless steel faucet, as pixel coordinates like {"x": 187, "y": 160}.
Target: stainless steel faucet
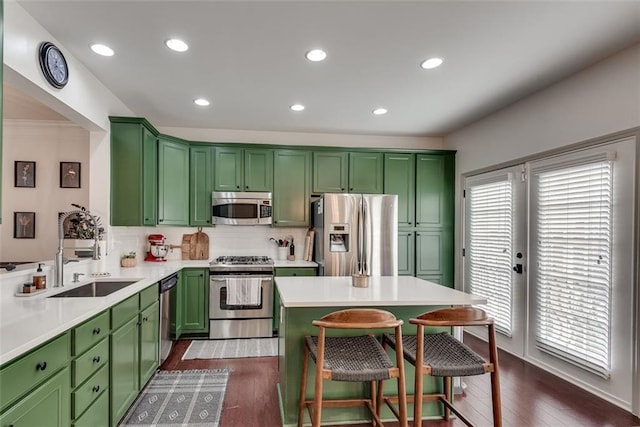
{"x": 76, "y": 277}
{"x": 59, "y": 259}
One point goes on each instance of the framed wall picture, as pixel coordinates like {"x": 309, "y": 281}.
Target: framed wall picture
{"x": 24, "y": 174}
{"x": 69, "y": 174}
{"x": 24, "y": 225}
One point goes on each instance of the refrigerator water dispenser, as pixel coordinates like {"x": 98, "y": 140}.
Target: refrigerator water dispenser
{"x": 339, "y": 238}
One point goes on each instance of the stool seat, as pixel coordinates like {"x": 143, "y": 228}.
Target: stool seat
{"x": 358, "y": 358}
{"x": 446, "y": 356}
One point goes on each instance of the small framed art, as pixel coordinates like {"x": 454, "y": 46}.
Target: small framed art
{"x": 24, "y": 174}
{"x": 24, "y": 225}
{"x": 69, "y": 174}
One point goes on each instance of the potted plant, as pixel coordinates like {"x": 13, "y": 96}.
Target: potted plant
{"x": 129, "y": 260}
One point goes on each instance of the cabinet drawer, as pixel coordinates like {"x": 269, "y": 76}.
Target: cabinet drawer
{"x": 124, "y": 311}
{"x": 89, "y": 333}
{"x": 89, "y": 391}
{"x": 97, "y": 415}
{"x": 295, "y": 271}
{"x": 85, "y": 365}
{"x": 33, "y": 369}
{"x": 148, "y": 296}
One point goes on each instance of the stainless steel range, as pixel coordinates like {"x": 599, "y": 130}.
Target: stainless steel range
{"x": 241, "y": 297}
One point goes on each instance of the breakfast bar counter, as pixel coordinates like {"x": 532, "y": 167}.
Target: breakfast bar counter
{"x": 304, "y": 299}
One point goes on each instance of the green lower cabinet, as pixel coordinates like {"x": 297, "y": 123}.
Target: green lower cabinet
{"x": 287, "y": 272}
{"x": 406, "y": 253}
{"x": 97, "y": 415}
{"x": 46, "y": 406}
{"x": 195, "y": 301}
{"x": 149, "y": 351}
{"x": 125, "y": 368}
{"x": 176, "y": 309}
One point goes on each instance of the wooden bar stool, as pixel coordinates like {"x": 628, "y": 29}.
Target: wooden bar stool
{"x": 442, "y": 355}
{"x": 355, "y": 359}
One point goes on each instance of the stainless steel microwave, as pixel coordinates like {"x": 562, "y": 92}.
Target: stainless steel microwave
{"x": 241, "y": 208}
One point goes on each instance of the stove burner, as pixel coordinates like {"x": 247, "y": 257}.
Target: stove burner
{"x": 244, "y": 260}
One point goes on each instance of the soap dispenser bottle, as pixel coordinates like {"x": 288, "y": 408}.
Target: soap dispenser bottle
{"x": 40, "y": 278}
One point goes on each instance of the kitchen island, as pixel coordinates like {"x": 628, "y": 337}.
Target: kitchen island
{"x": 304, "y": 299}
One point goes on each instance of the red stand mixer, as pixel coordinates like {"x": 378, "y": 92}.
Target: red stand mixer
{"x": 157, "y": 248}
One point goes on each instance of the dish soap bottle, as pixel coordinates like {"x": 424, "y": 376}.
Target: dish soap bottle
{"x": 40, "y": 278}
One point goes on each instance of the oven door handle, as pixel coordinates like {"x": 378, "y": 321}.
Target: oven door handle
{"x": 223, "y": 278}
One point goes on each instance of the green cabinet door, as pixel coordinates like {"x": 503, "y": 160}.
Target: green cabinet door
{"x": 200, "y": 185}
{"x": 46, "y": 406}
{"x": 365, "y": 172}
{"x": 330, "y": 172}
{"x": 173, "y": 182}
{"x": 406, "y": 253}
{"x": 291, "y": 188}
{"x": 258, "y": 170}
{"x": 149, "y": 342}
{"x": 195, "y": 301}
{"x": 399, "y": 178}
{"x": 1, "y": 59}
{"x": 434, "y": 256}
{"x": 134, "y": 177}
{"x": 435, "y": 176}
{"x": 228, "y": 169}
{"x": 125, "y": 369}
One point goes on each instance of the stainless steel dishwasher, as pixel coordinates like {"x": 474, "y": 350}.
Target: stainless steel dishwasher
{"x": 166, "y": 343}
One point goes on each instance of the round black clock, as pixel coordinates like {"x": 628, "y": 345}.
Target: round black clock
{"x": 53, "y": 65}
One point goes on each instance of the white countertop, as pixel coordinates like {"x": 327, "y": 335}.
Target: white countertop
{"x": 26, "y": 322}
{"x": 382, "y": 291}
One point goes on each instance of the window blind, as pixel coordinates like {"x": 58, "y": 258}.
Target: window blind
{"x": 573, "y": 278}
{"x": 489, "y": 248}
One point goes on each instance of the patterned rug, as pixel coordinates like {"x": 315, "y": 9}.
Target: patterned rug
{"x": 179, "y": 398}
{"x": 231, "y": 349}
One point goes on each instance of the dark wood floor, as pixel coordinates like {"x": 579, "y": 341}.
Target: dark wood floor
{"x": 530, "y": 396}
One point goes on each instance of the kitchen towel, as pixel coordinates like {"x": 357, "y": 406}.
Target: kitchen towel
{"x": 243, "y": 291}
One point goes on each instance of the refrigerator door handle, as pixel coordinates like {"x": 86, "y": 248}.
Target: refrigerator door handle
{"x": 360, "y": 249}
{"x": 365, "y": 241}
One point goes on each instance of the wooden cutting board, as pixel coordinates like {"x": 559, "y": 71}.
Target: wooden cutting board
{"x": 186, "y": 246}
{"x": 199, "y": 245}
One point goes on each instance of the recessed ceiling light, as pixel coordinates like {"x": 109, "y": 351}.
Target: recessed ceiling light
{"x": 101, "y": 49}
{"x": 297, "y": 107}
{"x": 201, "y": 102}
{"x": 177, "y": 45}
{"x": 379, "y": 111}
{"x": 316, "y": 55}
{"x": 430, "y": 63}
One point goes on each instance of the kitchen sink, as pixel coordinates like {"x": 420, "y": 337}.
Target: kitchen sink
{"x": 95, "y": 289}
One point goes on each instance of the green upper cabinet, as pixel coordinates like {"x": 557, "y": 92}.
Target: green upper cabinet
{"x": 330, "y": 171}
{"x": 173, "y": 182}
{"x": 434, "y": 190}
{"x": 291, "y": 188}
{"x": 200, "y": 185}
{"x": 399, "y": 178}
{"x": 134, "y": 173}
{"x": 365, "y": 172}
{"x": 343, "y": 171}
{"x": 243, "y": 169}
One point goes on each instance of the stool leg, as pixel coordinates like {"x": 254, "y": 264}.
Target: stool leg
{"x": 495, "y": 398}
{"x": 303, "y": 384}
{"x": 448, "y": 393}
{"x": 317, "y": 398}
{"x": 417, "y": 397}
{"x": 402, "y": 386}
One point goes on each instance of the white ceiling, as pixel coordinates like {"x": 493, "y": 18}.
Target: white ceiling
{"x": 247, "y": 57}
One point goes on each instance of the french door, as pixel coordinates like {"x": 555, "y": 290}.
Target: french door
{"x": 550, "y": 245}
{"x": 494, "y": 250}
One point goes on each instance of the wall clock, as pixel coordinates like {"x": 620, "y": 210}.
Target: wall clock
{"x": 53, "y": 65}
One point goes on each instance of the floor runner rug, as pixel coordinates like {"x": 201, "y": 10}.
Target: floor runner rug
{"x": 232, "y": 348}
{"x": 180, "y": 398}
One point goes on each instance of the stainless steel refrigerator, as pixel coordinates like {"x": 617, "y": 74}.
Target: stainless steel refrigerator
{"x": 356, "y": 233}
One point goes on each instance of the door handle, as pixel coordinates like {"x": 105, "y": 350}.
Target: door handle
{"x": 518, "y": 268}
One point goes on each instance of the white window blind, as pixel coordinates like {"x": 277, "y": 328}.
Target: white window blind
{"x": 489, "y": 248}
{"x": 573, "y": 279}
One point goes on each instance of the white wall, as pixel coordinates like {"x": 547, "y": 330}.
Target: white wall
{"x": 48, "y": 144}
{"x": 600, "y": 100}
